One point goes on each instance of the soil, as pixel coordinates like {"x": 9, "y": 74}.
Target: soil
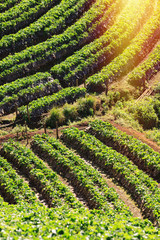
{"x": 137, "y": 135}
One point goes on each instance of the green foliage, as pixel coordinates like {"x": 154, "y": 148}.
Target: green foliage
{"x": 124, "y": 62}
{"x": 14, "y": 185}
{"x": 146, "y": 116}
{"x": 87, "y": 177}
{"x": 82, "y": 108}
{"x": 154, "y": 135}
{"x": 33, "y": 222}
{"x": 44, "y": 104}
{"x": 147, "y": 69}
{"x": 44, "y": 179}
{"x": 144, "y": 112}
{"x": 141, "y": 115}
{"x": 71, "y": 37}
{"x": 70, "y": 112}
{"x": 56, "y": 114}
{"x": 143, "y": 188}
{"x": 22, "y": 13}
{"x": 129, "y": 145}
{"x": 86, "y": 106}
{"x": 7, "y": 4}
{"x": 50, "y": 23}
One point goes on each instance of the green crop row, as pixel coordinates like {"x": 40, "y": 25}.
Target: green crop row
{"x": 53, "y": 22}
{"x": 66, "y": 67}
{"x": 143, "y": 188}
{"x": 96, "y": 54}
{"x": 79, "y": 173}
{"x": 7, "y": 4}
{"x": 14, "y": 87}
{"x": 147, "y": 69}
{"x": 132, "y": 55}
{"x": 44, "y": 179}
{"x": 26, "y": 17}
{"x": 42, "y": 105}
{"x": 142, "y": 155}
{"x": 17, "y": 10}
{"x": 24, "y": 96}
{"x": 14, "y": 188}
{"x": 52, "y": 49}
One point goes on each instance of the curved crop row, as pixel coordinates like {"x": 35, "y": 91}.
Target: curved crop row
{"x": 25, "y": 96}
{"x": 53, "y": 22}
{"x": 44, "y": 179}
{"x": 7, "y": 4}
{"x": 32, "y": 58}
{"x": 13, "y": 187}
{"x": 142, "y": 155}
{"x": 132, "y": 55}
{"x": 42, "y": 105}
{"x": 14, "y": 87}
{"x": 147, "y": 69}
{"x": 95, "y": 55}
{"x": 26, "y": 17}
{"x": 17, "y": 10}
{"x": 82, "y": 175}
{"x": 143, "y": 188}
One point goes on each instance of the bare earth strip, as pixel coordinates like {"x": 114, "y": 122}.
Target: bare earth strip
{"x": 125, "y": 197}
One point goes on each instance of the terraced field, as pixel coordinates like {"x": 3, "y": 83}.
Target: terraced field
{"x": 93, "y": 176}
{"x": 94, "y": 184}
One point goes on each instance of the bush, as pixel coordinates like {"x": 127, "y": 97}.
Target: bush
{"x": 55, "y": 115}
{"x": 70, "y": 112}
{"x": 86, "y": 106}
{"x": 146, "y": 115}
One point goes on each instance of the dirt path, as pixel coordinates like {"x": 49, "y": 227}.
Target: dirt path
{"x": 82, "y": 126}
{"x": 137, "y": 135}
{"x": 52, "y": 132}
{"x": 124, "y": 196}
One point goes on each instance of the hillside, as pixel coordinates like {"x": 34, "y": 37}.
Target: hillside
{"x": 79, "y": 96}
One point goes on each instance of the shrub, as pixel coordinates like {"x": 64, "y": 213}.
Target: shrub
{"x": 146, "y": 115}
{"x": 86, "y": 106}
{"x": 70, "y": 112}
{"x": 56, "y": 114}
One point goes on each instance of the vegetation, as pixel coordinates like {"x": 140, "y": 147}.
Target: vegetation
{"x": 82, "y": 108}
{"x": 136, "y": 181}
{"x": 91, "y": 187}
{"x": 140, "y": 153}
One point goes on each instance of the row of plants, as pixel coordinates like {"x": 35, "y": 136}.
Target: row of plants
{"x": 53, "y": 22}
{"x": 25, "y": 96}
{"x": 139, "y": 47}
{"x": 83, "y": 176}
{"x": 53, "y": 49}
{"x": 17, "y": 10}
{"x": 14, "y": 87}
{"x": 12, "y": 186}
{"x": 42, "y": 105}
{"x": 42, "y": 178}
{"x": 147, "y": 69}
{"x": 26, "y": 17}
{"x": 143, "y": 189}
{"x": 7, "y": 4}
{"x": 142, "y": 155}
{"x": 93, "y": 56}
